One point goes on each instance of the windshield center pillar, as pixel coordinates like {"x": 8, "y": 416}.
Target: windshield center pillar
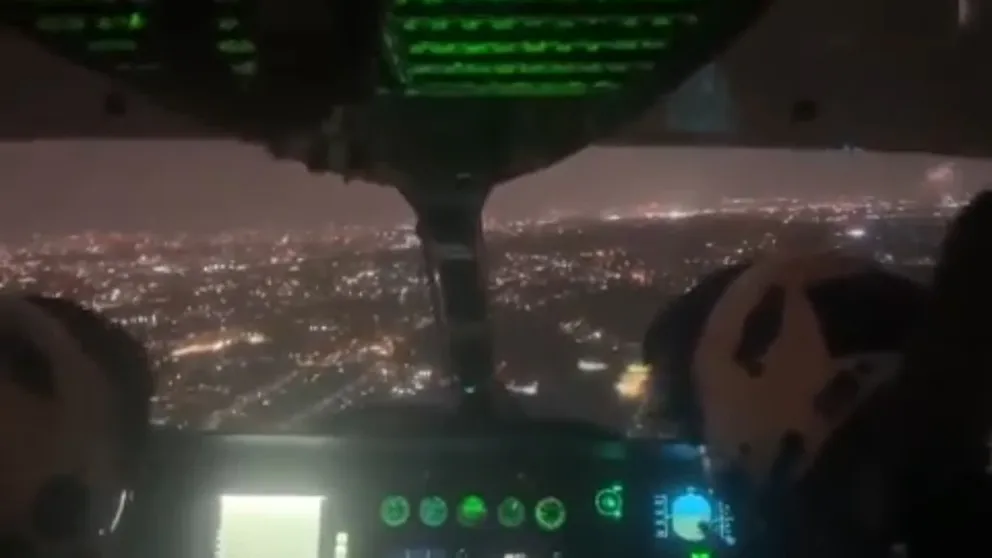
{"x": 450, "y": 230}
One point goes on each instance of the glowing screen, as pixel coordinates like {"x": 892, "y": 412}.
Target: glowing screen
{"x": 529, "y": 48}
{"x": 267, "y": 526}
{"x": 689, "y": 513}
{"x": 446, "y": 48}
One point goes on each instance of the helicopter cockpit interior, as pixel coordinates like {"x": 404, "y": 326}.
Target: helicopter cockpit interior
{"x": 324, "y": 83}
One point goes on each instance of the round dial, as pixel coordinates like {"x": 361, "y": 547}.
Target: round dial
{"x": 609, "y": 503}
{"x": 511, "y": 512}
{"x": 433, "y": 511}
{"x": 549, "y": 513}
{"x": 690, "y": 513}
{"x": 394, "y": 511}
{"x": 472, "y": 511}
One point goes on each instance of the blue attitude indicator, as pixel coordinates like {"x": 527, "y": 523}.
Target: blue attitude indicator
{"x": 690, "y": 513}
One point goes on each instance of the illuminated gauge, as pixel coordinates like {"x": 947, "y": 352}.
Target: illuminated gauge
{"x": 726, "y": 524}
{"x": 433, "y": 511}
{"x": 549, "y": 513}
{"x": 660, "y": 514}
{"x": 511, "y": 513}
{"x": 609, "y": 502}
{"x": 472, "y": 511}
{"x": 690, "y": 512}
{"x": 394, "y": 511}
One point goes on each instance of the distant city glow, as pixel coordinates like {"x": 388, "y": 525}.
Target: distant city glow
{"x": 633, "y": 382}
{"x": 276, "y": 331}
{"x": 589, "y": 365}
{"x": 530, "y": 388}
{"x": 965, "y": 14}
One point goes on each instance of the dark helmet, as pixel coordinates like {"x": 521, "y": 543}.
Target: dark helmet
{"x": 75, "y": 396}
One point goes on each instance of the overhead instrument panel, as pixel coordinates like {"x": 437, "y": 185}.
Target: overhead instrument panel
{"x": 530, "y": 48}
{"x": 387, "y": 90}
{"x": 502, "y": 48}
{"x": 145, "y": 40}
{"x": 239, "y": 63}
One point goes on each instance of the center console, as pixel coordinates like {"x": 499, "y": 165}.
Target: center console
{"x": 519, "y": 496}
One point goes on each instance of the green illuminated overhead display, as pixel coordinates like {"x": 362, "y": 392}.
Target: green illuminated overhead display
{"x": 511, "y": 513}
{"x": 550, "y": 514}
{"x": 433, "y": 511}
{"x": 126, "y": 37}
{"x": 528, "y": 48}
{"x": 394, "y": 511}
{"x": 430, "y": 48}
{"x": 609, "y": 502}
{"x": 472, "y": 511}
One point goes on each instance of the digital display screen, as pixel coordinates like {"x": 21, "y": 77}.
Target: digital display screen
{"x": 689, "y": 514}
{"x": 254, "y": 526}
{"x": 529, "y": 48}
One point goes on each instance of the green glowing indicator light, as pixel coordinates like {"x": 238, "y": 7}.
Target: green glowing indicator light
{"x": 394, "y": 511}
{"x": 136, "y": 21}
{"x": 699, "y": 555}
{"x": 433, "y": 511}
{"x": 609, "y": 502}
{"x": 472, "y": 511}
{"x": 549, "y": 513}
{"x": 511, "y": 513}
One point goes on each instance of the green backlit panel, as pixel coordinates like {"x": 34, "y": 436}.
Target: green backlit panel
{"x": 130, "y": 38}
{"x": 433, "y": 48}
{"x": 529, "y": 48}
{"x": 530, "y": 81}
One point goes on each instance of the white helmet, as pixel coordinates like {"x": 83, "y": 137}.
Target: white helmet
{"x": 784, "y": 348}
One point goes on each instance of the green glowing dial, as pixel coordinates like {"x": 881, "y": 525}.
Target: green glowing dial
{"x": 394, "y": 511}
{"x": 549, "y": 513}
{"x": 433, "y": 511}
{"x": 511, "y": 512}
{"x": 609, "y": 502}
{"x": 472, "y": 511}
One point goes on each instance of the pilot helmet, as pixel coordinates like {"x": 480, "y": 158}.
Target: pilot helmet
{"x": 762, "y": 364}
{"x": 75, "y": 399}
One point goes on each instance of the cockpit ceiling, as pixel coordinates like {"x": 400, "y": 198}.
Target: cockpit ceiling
{"x": 779, "y": 86}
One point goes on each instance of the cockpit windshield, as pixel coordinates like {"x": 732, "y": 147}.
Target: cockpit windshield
{"x": 273, "y": 298}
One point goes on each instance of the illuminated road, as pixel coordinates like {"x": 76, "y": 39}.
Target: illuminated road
{"x": 246, "y": 400}
{"x": 639, "y": 424}
{"x": 358, "y": 389}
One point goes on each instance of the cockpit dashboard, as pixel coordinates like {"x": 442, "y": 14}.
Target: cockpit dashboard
{"x": 254, "y": 496}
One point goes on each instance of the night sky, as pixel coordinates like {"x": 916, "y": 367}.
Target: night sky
{"x": 65, "y": 186}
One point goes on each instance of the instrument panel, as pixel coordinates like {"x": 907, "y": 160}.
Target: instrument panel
{"x": 478, "y": 510}
{"x": 296, "y": 497}
{"x": 243, "y": 65}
